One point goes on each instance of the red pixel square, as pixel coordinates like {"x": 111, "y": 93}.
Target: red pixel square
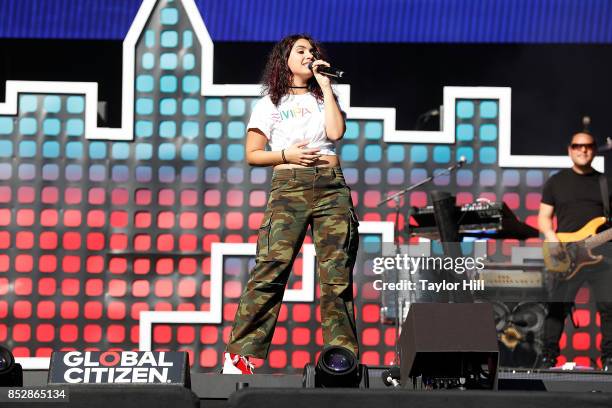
{"x": 45, "y": 309}
{"x": 94, "y": 287}
{"x": 97, "y": 196}
{"x": 95, "y": 264}
{"x": 71, "y": 264}
{"x": 96, "y": 218}
{"x": 72, "y": 218}
{"x": 48, "y": 217}
{"x": 93, "y": 310}
{"x": 25, "y": 217}
{"x": 117, "y": 288}
{"x": 49, "y": 195}
{"x": 24, "y": 263}
{"x": 69, "y": 309}
{"x": 23, "y": 286}
{"x": 24, "y": 240}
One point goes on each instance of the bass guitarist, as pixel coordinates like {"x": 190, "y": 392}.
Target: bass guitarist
{"x": 576, "y": 196}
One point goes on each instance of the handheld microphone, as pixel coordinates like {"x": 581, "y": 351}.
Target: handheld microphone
{"x": 328, "y": 71}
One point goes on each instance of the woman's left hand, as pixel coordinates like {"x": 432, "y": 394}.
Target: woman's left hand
{"x": 323, "y": 80}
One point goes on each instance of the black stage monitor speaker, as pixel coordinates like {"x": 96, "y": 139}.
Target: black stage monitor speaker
{"x": 449, "y": 345}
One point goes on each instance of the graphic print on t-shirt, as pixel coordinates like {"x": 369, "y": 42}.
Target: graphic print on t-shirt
{"x": 297, "y": 111}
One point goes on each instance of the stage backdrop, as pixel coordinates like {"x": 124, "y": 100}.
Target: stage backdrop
{"x": 142, "y": 236}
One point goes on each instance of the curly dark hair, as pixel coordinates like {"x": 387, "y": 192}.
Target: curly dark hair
{"x": 277, "y": 75}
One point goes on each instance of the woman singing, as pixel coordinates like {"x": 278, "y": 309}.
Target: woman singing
{"x": 299, "y": 118}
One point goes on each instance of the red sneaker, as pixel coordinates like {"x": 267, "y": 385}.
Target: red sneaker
{"x": 236, "y": 364}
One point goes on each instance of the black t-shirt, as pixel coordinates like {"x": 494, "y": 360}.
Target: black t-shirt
{"x": 576, "y": 198}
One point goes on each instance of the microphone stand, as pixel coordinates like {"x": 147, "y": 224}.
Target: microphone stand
{"x": 396, "y": 198}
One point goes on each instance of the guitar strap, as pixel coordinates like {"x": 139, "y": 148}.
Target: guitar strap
{"x": 605, "y": 196}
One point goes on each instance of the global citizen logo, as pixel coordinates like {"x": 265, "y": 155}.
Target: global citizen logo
{"x": 116, "y": 367}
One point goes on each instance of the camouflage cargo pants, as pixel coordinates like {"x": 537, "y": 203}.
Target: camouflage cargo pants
{"x": 318, "y": 197}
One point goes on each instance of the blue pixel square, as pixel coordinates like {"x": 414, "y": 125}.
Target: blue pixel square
{"x": 27, "y": 126}
{"x": 189, "y": 174}
{"x": 488, "y": 155}
{"x": 144, "y": 106}
{"x": 235, "y": 152}
{"x": 191, "y": 84}
{"x": 465, "y": 132}
{"x": 52, "y": 104}
{"x": 50, "y": 150}
{"x": 6, "y": 148}
{"x": 349, "y": 152}
{"x": 167, "y": 106}
{"x": 168, "y": 61}
{"x": 144, "y": 128}
{"x": 214, "y": 107}
{"x": 144, "y": 151}
{"x": 169, "y": 16}
{"x": 97, "y": 173}
{"x": 166, "y": 151}
{"x": 189, "y": 152}
{"x": 488, "y": 109}
{"x": 120, "y": 151}
{"x": 27, "y": 148}
{"x": 144, "y": 174}
{"x": 396, "y": 153}
{"x": 442, "y": 154}
{"x": 212, "y": 152}
{"x": 74, "y": 150}
{"x": 167, "y": 129}
{"x": 352, "y": 130}
{"x": 28, "y": 103}
{"x": 51, "y": 127}
{"x": 465, "y": 177}
{"x": 190, "y": 106}
{"x": 148, "y": 60}
{"x": 188, "y": 62}
{"x": 213, "y": 130}
{"x": 465, "y": 109}
{"x": 236, "y": 107}
{"x": 144, "y": 83}
{"x": 50, "y": 172}
{"x": 169, "y": 39}
{"x": 187, "y": 39}
{"x": 97, "y": 150}
{"x": 395, "y": 176}
{"x": 75, "y": 104}
{"x": 190, "y": 129}
{"x": 418, "y": 154}
{"x": 236, "y": 130}
{"x": 488, "y": 132}
{"x": 488, "y": 178}
{"x": 166, "y": 174}
{"x": 372, "y": 153}
{"x": 168, "y": 83}
{"x": 6, "y": 126}
{"x": 373, "y": 130}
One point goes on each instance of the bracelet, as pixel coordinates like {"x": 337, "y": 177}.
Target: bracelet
{"x": 283, "y": 155}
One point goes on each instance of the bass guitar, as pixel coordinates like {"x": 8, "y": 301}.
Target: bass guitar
{"x": 575, "y": 252}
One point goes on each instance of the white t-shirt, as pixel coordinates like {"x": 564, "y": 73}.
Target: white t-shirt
{"x": 297, "y": 118}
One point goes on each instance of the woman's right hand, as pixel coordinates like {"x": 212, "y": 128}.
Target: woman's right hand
{"x": 297, "y": 154}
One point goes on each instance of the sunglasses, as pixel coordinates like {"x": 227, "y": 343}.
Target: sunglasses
{"x": 578, "y": 146}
